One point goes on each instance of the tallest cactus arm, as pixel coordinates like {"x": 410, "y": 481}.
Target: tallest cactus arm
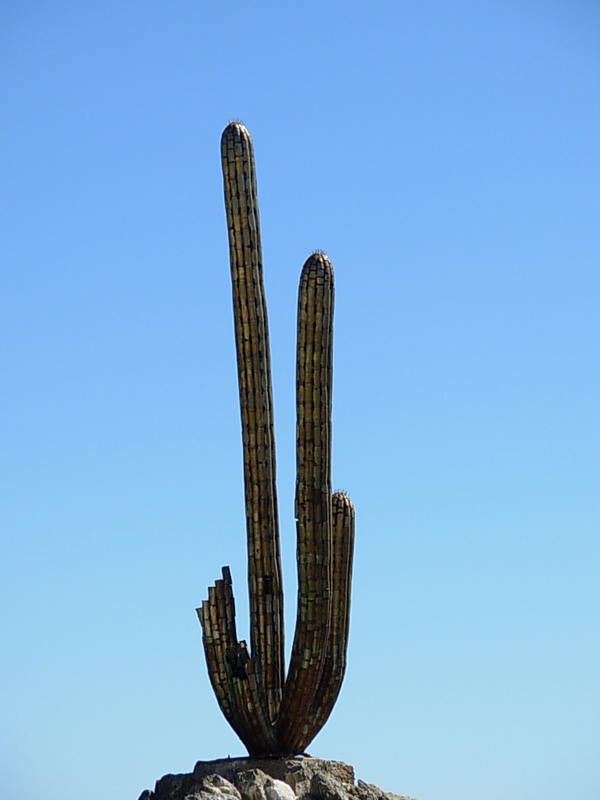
{"x": 270, "y": 716}
{"x": 256, "y": 403}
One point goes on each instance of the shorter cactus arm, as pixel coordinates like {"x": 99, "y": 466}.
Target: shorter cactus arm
{"x": 313, "y": 498}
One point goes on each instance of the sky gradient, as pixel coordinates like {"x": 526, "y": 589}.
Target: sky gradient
{"x": 445, "y": 157}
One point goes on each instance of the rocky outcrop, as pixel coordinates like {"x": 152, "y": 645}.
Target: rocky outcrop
{"x": 301, "y": 778}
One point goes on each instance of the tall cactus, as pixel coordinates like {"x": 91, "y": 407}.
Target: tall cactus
{"x": 273, "y": 715}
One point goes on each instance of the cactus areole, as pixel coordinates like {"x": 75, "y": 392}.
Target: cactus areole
{"x": 272, "y": 714}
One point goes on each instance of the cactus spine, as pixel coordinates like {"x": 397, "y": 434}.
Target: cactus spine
{"x": 272, "y": 715}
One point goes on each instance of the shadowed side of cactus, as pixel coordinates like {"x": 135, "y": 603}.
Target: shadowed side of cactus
{"x": 272, "y": 717}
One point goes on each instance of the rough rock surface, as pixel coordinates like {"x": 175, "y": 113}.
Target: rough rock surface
{"x": 301, "y": 778}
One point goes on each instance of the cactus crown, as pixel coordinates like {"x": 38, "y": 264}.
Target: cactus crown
{"x": 274, "y": 715}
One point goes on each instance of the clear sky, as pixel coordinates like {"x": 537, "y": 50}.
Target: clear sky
{"x": 445, "y": 157}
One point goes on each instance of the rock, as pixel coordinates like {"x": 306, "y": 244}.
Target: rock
{"x": 278, "y": 790}
{"x": 301, "y": 778}
{"x": 186, "y": 787}
{"x": 218, "y": 788}
{"x": 368, "y": 791}
{"x": 326, "y": 787}
{"x": 251, "y": 784}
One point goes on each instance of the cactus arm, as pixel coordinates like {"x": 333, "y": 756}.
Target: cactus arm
{"x": 256, "y": 403}
{"x": 313, "y": 499}
{"x": 215, "y": 661}
{"x": 231, "y": 670}
{"x": 334, "y": 666}
{"x": 217, "y": 636}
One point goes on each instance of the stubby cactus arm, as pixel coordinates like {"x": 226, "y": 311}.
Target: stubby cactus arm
{"x": 231, "y": 670}
{"x": 217, "y": 634}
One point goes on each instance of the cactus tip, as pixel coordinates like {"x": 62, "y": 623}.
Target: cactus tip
{"x": 235, "y": 125}
{"x": 318, "y": 263}
{"x": 235, "y": 132}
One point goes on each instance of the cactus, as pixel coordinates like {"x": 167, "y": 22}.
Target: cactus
{"x": 272, "y": 715}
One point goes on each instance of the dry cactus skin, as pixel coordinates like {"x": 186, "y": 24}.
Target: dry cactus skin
{"x": 271, "y": 715}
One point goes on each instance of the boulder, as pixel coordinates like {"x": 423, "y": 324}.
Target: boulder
{"x": 301, "y": 778}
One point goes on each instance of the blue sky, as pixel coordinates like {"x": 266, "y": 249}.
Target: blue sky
{"x": 445, "y": 156}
